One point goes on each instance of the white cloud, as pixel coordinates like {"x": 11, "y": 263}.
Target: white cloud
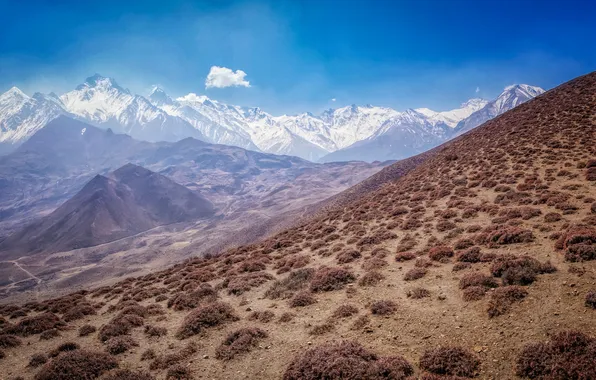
{"x": 221, "y": 77}
{"x": 477, "y": 89}
{"x": 333, "y": 99}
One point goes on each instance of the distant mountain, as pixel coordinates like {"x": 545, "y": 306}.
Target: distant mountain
{"x": 130, "y": 200}
{"x": 511, "y": 97}
{"x": 414, "y": 131}
{"x": 160, "y": 117}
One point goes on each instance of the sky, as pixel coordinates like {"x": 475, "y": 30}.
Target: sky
{"x": 300, "y": 55}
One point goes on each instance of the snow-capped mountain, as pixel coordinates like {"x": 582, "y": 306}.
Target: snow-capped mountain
{"x": 415, "y": 131}
{"x": 103, "y": 102}
{"x": 346, "y": 133}
{"x": 21, "y": 116}
{"x": 511, "y": 97}
{"x": 452, "y": 117}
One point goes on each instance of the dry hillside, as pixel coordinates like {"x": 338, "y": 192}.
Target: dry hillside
{"x": 480, "y": 262}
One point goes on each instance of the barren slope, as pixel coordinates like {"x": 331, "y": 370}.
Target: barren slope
{"x": 487, "y": 246}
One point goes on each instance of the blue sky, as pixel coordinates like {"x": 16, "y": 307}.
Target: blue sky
{"x": 299, "y": 55}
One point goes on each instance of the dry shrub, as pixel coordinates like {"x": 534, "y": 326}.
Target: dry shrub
{"x": 302, "y": 299}
{"x": 239, "y": 342}
{"x": 345, "y": 311}
{"x": 64, "y": 347}
{"x": 179, "y": 372}
{"x": 35, "y": 325}
{"x": 477, "y": 279}
{"x": 348, "y": 256}
{"x": 240, "y": 284}
{"x": 461, "y": 266}
{"x": 502, "y": 299}
{"x": 286, "y": 287}
{"x": 579, "y": 244}
{"x": 373, "y": 263}
{"x": 78, "y": 364}
{"x": 371, "y": 279}
{"x": 510, "y": 235}
{"x": 148, "y": 354}
{"x": 112, "y": 329}
{"x": 322, "y": 329}
{"x": 152, "y": 331}
{"x": 470, "y": 255}
{"x": 384, "y": 307}
{"x": 49, "y": 334}
{"x": 441, "y": 253}
{"x": 120, "y": 344}
{"x": 167, "y": 360}
{"x": 417, "y": 293}
{"x": 415, "y": 274}
{"x": 405, "y": 256}
{"x": 591, "y": 299}
{"x": 346, "y": 360}
{"x": 474, "y": 293}
{"x": 211, "y": 315}
{"x": 9, "y": 341}
{"x": 569, "y": 355}
{"x": 519, "y": 270}
{"x": 127, "y": 374}
{"x": 37, "y": 359}
{"x": 552, "y": 217}
{"x": 451, "y": 361}
{"x": 328, "y": 279}
{"x": 78, "y": 312}
{"x": 262, "y": 316}
{"x": 86, "y": 330}
{"x": 286, "y": 317}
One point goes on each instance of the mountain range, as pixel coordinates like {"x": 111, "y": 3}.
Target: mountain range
{"x": 348, "y": 133}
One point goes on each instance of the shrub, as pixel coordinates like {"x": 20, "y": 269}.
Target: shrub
{"x": 302, "y": 299}
{"x": 148, "y": 354}
{"x": 167, "y": 360}
{"x": 452, "y": 361}
{"x": 510, "y": 235}
{"x": 328, "y": 279}
{"x": 463, "y": 244}
{"x": 37, "y": 359}
{"x": 78, "y": 312}
{"x": 470, "y": 255}
{"x": 211, "y": 315}
{"x": 86, "y": 330}
{"x": 322, "y": 329}
{"x": 474, "y": 293}
{"x": 440, "y": 253}
{"x": 345, "y": 311}
{"x": 346, "y": 360}
{"x": 417, "y": 293}
{"x": 9, "y": 341}
{"x": 152, "y": 331}
{"x": 552, "y": 217}
{"x": 286, "y": 287}
{"x": 179, "y": 372}
{"x": 64, "y": 347}
{"x": 49, "y": 334}
{"x": 36, "y": 324}
{"x": 477, "y": 279}
{"x": 579, "y": 243}
{"x": 348, "y": 256}
{"x": 591, "y": 299}
{"x": 262, "y": 316}
{"x": 120, "y": 344}
{"x": 286, "y": 317}
{"x": 383, "y": 307}
{"x": 404, "y": 256}
{"x": 415, "y": 274}
{"x": 111, "y": 330}
{"x": 78, "y": 364}
{"x": 503, "y": 298}
{"x": 370, "y": 279}
{"x": 238, "y": 342}
{"x": 127, "y": 374}
{"x": 461, "y": 266}
{"x": 569, "y": 355}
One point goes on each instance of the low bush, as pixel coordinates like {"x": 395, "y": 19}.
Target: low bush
{"x": 64, "y": 347}
{"x": 384, "y": 307}
{"x": 328, "y": 279}
{"x": 348, "y": 256}
{"x": 78, "y": 364}
{"x": 452, "y": 361}
{"x": 86, "y": 330}
{"x": 417, "y": 293}
{"x": 120, "y": 344}
{"x": 510, "y": 235}
{"x": 286, "y": 317}
{"x": 591, "y": 299}
{"x": 294, "y": 281}
{"x": 405, "y": 256}
{"x": 49, "y": 334}
{"x": 211, "y": 315}
{"x": 302, "y": 299}
{"x": 470, "y": 255}
{"x": 502, "y": 299}
{"x": 569, "y": 355}
{"x": 239, "y": 342}
{"x": 477, "y": 279}
{"x": 345, "y": 311}
{"x": 78, "y": 312}
{"x": 440, "y": 253}
{"x": 346, "y": 360}
{"x": 372, "y": 278}
{"x": 157, "y": 331}
{"x": 415, "y": 274}
{"x": 167, "y": 360}
{"x": 179, "y": 372}
{"x": 127, "y": 374}
{"x": 552, "y": 217}
{"x": 474, "y": 293}
{"x": 262, "y": 316}
{"x": 321, "y": 329}
{"x": 37, "y": 359}
{"x": 36, "y": 324}
{"x": 9, "y": 341}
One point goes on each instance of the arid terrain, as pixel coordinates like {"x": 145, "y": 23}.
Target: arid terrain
{"x": 478, "y": 262}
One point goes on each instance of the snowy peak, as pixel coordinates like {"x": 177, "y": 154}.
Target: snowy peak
{"x": 452, "y": 117}
{"x": 158, "y": 97}
{"x": 14, "y": 93}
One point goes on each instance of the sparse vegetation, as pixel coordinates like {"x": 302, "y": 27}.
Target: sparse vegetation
{"x": 207, "y": 316}
{"x": 77, "y": 364}
{"x": 451, "y": 361}
{"x": 238, "y": 342}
